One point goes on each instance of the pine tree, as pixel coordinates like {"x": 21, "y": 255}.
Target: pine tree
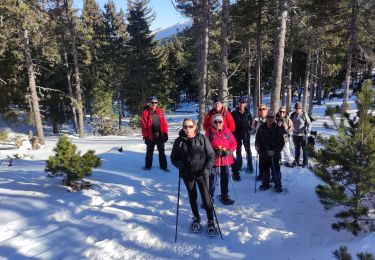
{"x": 343, "y": 254}
{"x": 346, "y": 164}
{"x": 143, "y": 58}
{"x": 70, "y": 162}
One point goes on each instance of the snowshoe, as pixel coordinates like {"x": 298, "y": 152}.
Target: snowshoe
{"x": 278, "y": 189}
{"x": 289, "y": 165}
{"x": 225, "y": 200}
{"x": 196, "y": 226}
{"x": 211, "y": 229}
{"x": 264, "y": 187}
{"x": 166, "y": 170}
{"x": 146, "y": 168}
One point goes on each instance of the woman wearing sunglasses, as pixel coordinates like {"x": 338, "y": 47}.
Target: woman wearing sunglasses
{"x": 283, "y": 120}
{"x": 224, "y": 143}
{"x": 193, "y": 155}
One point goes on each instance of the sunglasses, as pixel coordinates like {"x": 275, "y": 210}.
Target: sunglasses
{"x": 270, "y": 117}
{"x": 188, "y": 126}
{"x": 298, "y": 107}
{"x": 263, "y": 108}
{"x": 154, "y": 102}
{"x": 282, "y": 111}
{"x": 218, "y": 122}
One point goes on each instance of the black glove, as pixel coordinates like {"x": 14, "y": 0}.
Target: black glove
{"x": 219, "y": 152}
{"x": 226, "y": 152}
{"x": 180, "y": 165}
{"x": 145, "y": 140}
{"x": 165, "y": 137}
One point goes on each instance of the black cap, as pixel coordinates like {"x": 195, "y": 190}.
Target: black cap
{"x": 152, "y": 98}
{"x": 242, "y": 100}
{"x": 218, "y": 100}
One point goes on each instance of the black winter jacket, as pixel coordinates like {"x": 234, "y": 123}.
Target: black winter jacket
{"x": 243, "y": 123}
{"x": 269, "y": 139}
{"x": 193, "y": 157}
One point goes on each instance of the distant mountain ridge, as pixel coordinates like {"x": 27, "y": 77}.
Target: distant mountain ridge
{"x": 168, "y": 31}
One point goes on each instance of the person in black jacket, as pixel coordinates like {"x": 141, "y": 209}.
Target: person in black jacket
{"x": 194, "y": 156}
{"x": 243, "y": 120}
{"x": 269, "y": 142}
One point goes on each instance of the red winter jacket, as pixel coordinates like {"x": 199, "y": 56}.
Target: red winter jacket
{"x": 220, "y": 139}
{"x": 227, "y": 116}
{"x": 147, "y": 122}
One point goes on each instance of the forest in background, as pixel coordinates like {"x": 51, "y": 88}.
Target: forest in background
{"x": 59, "y": 65}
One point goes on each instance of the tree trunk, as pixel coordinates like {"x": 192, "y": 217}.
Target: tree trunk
{"x": 248, "y": 82}
{"x": 32, "y": 85}
{"x": 320, "y": 81}
{"x": 70, "y": 90}
{"x": 290, "y": 76}
{"x": 279, "y": 55}
{"x": 314, "y": 76}
{"x": 307, "y": 80}
{"x": 258, "y": 61}
{"x": 119, "y": 107}
{"x": 76, "y": 69}
{"x": 224, "y": 52}
{"x": 203, "y": 62}
{"x": 349, "y": 55}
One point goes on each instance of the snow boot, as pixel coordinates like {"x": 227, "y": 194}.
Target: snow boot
{"x": 146, "y": 168}
{"x": 278, "y": 189}
{"x": 226, "y": 200}
{"x": 250, "y": 170}
{"x": 196, "y": 226}
{"x": 264, "y": 186}
{"x": 211, "y": 229}
{"x": 236, "y": 176}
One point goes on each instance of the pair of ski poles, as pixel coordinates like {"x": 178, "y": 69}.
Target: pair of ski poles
{"x": 178, "y": 206}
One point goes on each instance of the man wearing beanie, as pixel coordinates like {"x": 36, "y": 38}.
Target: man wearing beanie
{"x": 154, "y": 132}
{"x": 223, "y": 143}
{"x": 269, "y": 142}
{"x": 219, "y": 109}
{"x": 243, "y": 121}
{"x": 301, "y": 129}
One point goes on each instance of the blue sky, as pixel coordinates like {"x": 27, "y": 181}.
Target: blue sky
{"x": 166, "y": 15}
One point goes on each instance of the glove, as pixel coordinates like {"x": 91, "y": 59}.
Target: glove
{"x": 226, "y": 152}
{"x": 165, "y": 137}
{"x": 145, "y": 140}
{"x": 270, "y": 153}
{"x": 219, "y": 152}
{"x": 180, "y": 165}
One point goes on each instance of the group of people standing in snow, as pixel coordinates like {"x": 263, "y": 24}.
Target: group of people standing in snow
{"x": 203, "y": 159}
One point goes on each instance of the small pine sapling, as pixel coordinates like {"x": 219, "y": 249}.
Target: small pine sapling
{"x": 70, "y": 162}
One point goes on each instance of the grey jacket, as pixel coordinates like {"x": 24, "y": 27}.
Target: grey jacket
{"x": 301, "y": 123}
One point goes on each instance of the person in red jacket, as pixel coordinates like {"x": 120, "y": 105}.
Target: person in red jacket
{"x": 219, "y": 109}
{"x": 224, "y": 143}
{"x": 154, "y": 132}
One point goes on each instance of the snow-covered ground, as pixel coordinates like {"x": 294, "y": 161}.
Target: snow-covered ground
{"x": 130, "y": 213}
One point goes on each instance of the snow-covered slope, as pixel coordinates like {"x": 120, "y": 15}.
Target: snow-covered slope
{"x": 168, "y": 31}
{"x": 130, "y": 213}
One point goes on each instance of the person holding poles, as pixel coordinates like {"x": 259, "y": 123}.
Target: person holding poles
{"x": 223, "y": 143}
{"x": 243, "y": 120}
{"x": 193, "y": 155}
{"x": 269, "y": 142}
{"x": 302, "y": 126}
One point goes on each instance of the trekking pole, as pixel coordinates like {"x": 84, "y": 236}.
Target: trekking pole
{"x": 213, "y": 209}
{"x": 256, "y": 173}
{"x": 178, "y": 206}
